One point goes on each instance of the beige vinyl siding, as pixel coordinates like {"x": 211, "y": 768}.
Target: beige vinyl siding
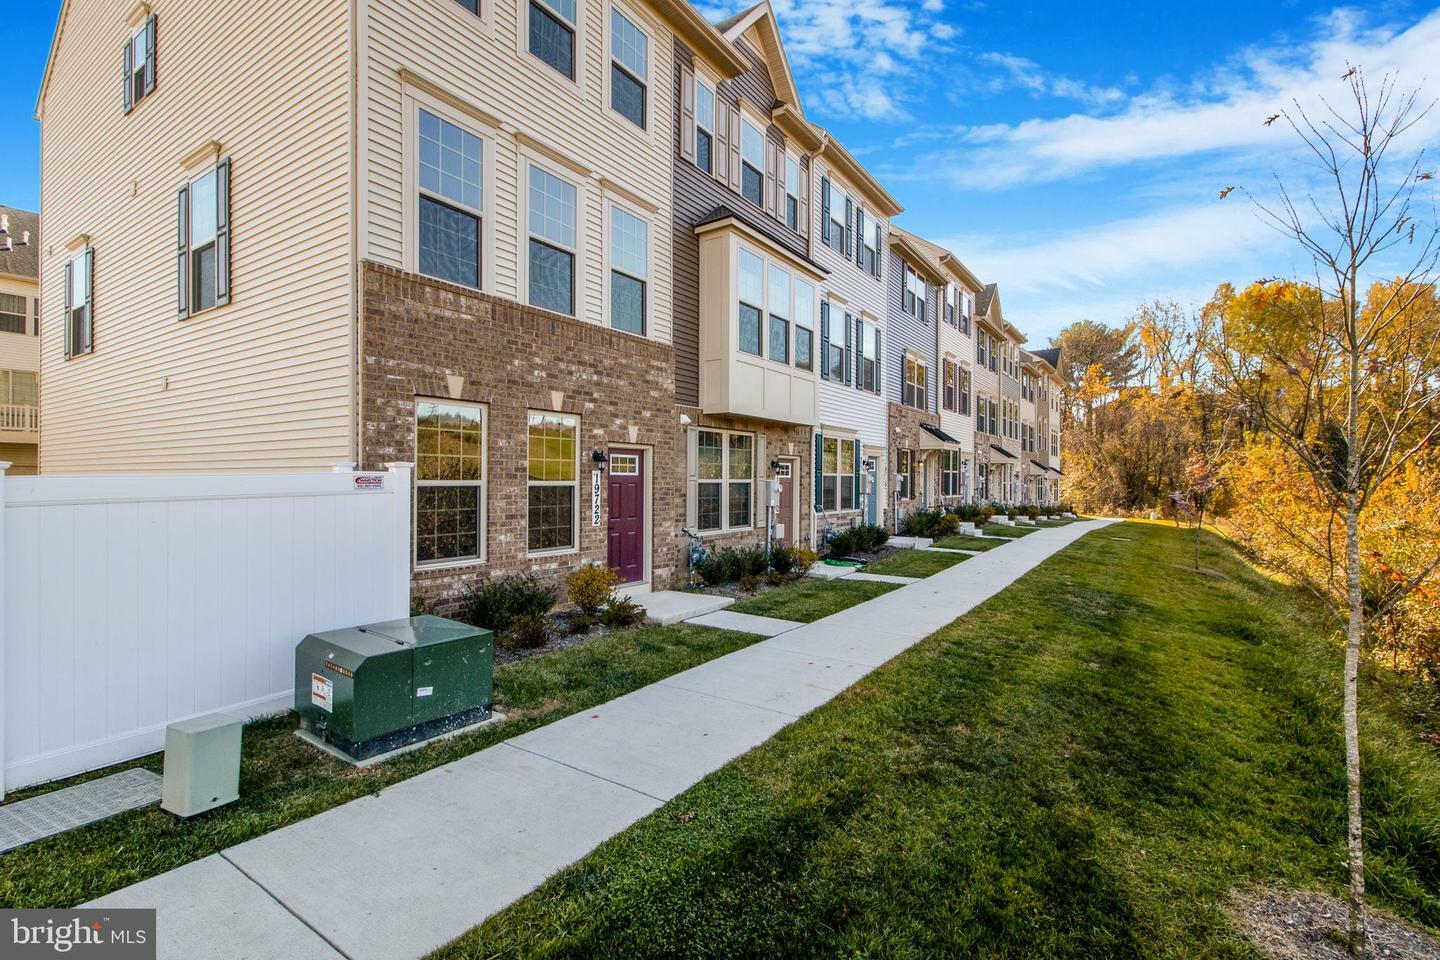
{"x": 264, "y": 383}
{"x": 20, "y": 351}
{"x": 484, "y": 64}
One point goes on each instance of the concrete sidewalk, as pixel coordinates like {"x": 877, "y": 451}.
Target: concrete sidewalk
{"x": 400, "y": 873}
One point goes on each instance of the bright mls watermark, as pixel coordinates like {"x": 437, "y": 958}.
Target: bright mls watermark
{"x": 80, "y": 934}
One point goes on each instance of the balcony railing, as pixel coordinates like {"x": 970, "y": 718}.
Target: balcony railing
{"x": 19, "y": 418}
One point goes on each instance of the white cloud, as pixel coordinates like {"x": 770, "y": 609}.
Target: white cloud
{"x": 1027, "y": 75}
{"x": 1219, "y": 112}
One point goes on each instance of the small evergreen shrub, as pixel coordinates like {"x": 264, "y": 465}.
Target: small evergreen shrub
{"x": 749, "y": 583}
{"x": 870, "y": 536}
{"x": 621, "y": 612}
{"x": 730, "y": 564}
{"x": 844, "y": 543}
{"x": 579, "y": 623}
{"x": 528, "y": 632}
{"x": 495, "y": 604}
{"x": 591, "y": 587}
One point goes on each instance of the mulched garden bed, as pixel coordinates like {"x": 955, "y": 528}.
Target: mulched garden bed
{"x": 1304, "y": 925}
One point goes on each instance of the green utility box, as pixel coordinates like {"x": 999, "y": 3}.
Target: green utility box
{"x": 367, "y": 690}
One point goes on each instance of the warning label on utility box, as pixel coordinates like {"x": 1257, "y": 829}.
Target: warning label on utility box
{"x": 322, "y": 693}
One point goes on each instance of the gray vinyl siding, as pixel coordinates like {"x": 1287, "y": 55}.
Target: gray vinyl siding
{"x": 908, "y": 332}
{"x": 696, "y": 193}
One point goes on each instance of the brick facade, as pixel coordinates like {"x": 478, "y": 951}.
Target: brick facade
{"x": 906, "y": 434}
{"x": 426, "y": 338}
{"x": 779, "y": 440}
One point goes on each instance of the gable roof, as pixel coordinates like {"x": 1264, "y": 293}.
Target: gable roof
{"x": 842, "y": 160}
{"x": 761, "y": 17}
{"x": 22, "y": 261}
{"x": 987, "y": 293}
{"x": 50, "y": 60}
{"x": 946, "y": 259}
{"x": 1050, "y": 355}
{"x": 917, "y": 256}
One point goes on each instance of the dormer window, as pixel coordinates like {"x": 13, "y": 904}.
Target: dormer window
{"x": 752, "y": 162}
{"x": 139, "y": 71}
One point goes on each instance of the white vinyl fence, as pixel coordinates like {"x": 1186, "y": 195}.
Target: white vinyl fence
{"x": 128, "y": 602}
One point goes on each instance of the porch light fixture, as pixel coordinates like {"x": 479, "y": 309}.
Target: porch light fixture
{"x": 599, "y": 458}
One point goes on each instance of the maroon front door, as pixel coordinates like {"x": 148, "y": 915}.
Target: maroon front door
{"x": 627, "y": 514}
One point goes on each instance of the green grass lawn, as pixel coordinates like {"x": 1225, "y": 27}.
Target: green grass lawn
{"x": 915, "y": 563}
{"x": 283, "y": 780}
{"x": 966, "y": 542}
{"x": 1001, "y": 530}
{"x": 1085, "y": 766}
{"x": 808, "y": 600}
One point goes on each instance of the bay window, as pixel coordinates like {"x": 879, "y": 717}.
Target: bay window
{"x": 552, "y": 489}
{"x": 725, "y": 472}
{"x": 629, "y": 270}
{"x": 449, "y": 481}
{"x": 552, "y": 247}
{"x": 779, "y": 300}
{"x": 804, "y": 325}
{"x": 449, "y": 168}
{"x": 752, "y": 301}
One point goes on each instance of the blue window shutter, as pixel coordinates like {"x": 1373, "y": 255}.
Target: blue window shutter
{"x": 150, "y": 55}
{"x": 182, "y": 274}
{"x": 825, "y": 209}
{"x": 825, "y": 339}
{"x": 849, "y": 228}
{"x": 222, "y": 233}
{"x": 879, "y": 368}
{"x": 819, "y": 467}
{"x": 127, "y": 72}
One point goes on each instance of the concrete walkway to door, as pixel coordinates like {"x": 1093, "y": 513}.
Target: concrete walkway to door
{"x": 400, "y": 873}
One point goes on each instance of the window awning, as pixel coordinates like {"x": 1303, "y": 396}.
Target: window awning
{"x": 941, "y": 441}
{"x": 1039, "y": 464}
{"x": 1056, "y": 471}
{"x": 1003, "y": 452}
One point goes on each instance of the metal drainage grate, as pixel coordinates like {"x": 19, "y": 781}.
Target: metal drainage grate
{"x": 36, "y": 818}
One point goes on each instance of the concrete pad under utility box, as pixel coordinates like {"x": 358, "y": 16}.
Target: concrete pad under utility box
{"x": 672, "y": 606}
{"x": 910, "y": 543}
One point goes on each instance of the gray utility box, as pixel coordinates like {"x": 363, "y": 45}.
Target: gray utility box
{"x": 372, "y": 689}
{"x": 202, "y": 764}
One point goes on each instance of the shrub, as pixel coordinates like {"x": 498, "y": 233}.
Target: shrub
{"x": 496, "y": 604}
{"x": 527, "y": 632}
{"x": 843, "y": 543}
{"x": 871, "y": 535}
{"x": 805, "y": 558}
{"x": 775, "y": 578}
{"x": 918, "y": 524}
{"x": 724, "y": 566}
{"x": 419, "y": 606}
{"x": 579, "y": 623}
{"x": 621, "y": 612}
{"x": 591, "y": 587}
{"x": 749, "y": 583}
{"x": 1032, "y": 511}
{"x": 782, "y": 560}
{"x": 945, "y": 525}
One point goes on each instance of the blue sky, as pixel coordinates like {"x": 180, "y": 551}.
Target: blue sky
{"x": 1072, "y": 154}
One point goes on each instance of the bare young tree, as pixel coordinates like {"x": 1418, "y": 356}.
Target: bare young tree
{"x": 1348, "y": 381}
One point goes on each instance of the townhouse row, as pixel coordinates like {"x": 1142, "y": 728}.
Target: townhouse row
{"x": 586, "y": 263}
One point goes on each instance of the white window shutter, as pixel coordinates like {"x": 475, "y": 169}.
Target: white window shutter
{"x": 692, "y": 478}
{"x": 687, "y": 115}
